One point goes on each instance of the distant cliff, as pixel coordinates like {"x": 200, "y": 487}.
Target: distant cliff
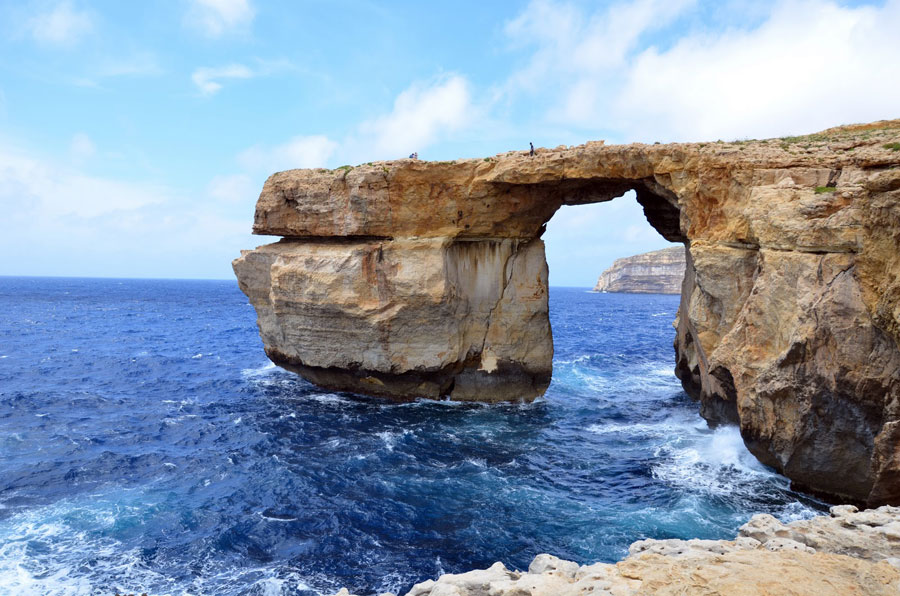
{"x": 657, "y": 272}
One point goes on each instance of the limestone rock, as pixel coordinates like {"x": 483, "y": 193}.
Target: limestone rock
{"x": 406, "y": 318}
{"x": 657, "y": 272}
{"x": 784, "y": 565}
{"x": 414, "y": 279}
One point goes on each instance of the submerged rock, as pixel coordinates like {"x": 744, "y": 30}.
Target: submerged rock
{"x": 849, "y": 553}
{"x": 656, "y": 272}
{"x": 409, "y": 279}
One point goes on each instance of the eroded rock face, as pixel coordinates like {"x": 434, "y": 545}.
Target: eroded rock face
{"x": 848, "y": 552}
{"x": 406, "y": 318}
{"x": 656, "y": 272}
{"x": 410, "y": 278}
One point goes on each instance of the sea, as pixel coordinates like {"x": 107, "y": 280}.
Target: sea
{"x": 147, "y": 445}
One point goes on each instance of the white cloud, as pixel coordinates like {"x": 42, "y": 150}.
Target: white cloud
{"x": 71, "y": 223}
{"x": 300, "y": 152}
{"x": 583, "y": 240}
{"x": 61, "y": 26}
{"x": 569, "y": 41}
{"x": 421, "y": 115}
{"x": 207, "y": 79}
{"x": 809, "y": 66}
{"x": 42, "y": 189}
{"x": 236, "y": 188}
{"x": 218, "y": 17}
{"x": 138, "y": 64}
{"x": 82, "y": 147}
{"x": 803, "y": 66}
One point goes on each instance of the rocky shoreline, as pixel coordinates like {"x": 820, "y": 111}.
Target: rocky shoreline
{"x": 848, "y": 552}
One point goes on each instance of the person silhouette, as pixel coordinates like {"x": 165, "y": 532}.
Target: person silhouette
{"x": 532, "y": 149}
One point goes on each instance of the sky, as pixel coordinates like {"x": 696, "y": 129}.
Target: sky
{"x": 135, "y": 136}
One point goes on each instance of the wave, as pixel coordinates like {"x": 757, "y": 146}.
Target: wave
{"x": 67, "y": 549}
{"x": 263, "y": 370}
{"x": 713, "y": 462}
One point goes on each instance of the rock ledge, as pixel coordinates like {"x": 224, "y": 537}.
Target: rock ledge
{"x": 848, "y": 553}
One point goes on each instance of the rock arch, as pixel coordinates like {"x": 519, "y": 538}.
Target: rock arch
{"x": 410, "y": 278}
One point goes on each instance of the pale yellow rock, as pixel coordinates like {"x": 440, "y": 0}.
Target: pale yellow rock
{"x": 656, "y": 272}
{"x": 410, "y": 279}
{"x": 856, "y": 556}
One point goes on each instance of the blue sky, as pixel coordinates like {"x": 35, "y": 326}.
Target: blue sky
{"x": 135, "y": 136}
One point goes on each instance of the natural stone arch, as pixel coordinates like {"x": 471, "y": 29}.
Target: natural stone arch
{"x": 410, "y": 278}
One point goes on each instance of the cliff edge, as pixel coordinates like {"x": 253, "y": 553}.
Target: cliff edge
{"x": 656, "y": 272}
{"x": 410, "y": 279}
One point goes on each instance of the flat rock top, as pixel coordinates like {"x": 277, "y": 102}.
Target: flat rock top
{"x": 513, "y": 194}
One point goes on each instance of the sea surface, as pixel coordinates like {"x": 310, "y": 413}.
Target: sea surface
{"x": 147, "y": 445}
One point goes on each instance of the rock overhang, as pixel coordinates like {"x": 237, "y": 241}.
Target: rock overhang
{"x": 411, "y": 278}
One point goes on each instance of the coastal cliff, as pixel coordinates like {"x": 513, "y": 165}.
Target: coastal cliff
{"x": 656, "y": 272}
{"x": 415, "y": 279}
{"x": 847, "y": 553}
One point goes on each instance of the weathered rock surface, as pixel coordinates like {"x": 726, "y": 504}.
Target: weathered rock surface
{"x": 656, "y": 272}
{"x": 406, "y": 318}
{"x": 849, "y": 553}
{"x": 409, "y": 278}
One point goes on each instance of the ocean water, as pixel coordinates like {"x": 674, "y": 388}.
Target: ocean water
{"x": 147, "y": 445}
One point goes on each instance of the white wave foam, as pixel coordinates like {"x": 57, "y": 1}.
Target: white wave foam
{"x": 662, "y": 371}
{"x": 258, "y": 372}
{"x": 665, "y": 428}
{"x": 276, "y": 518}
{"x": 715, "y": 463}
{"x": 576, "y": 360}
{"x": 389, "y": 438}
{"x": 326, "y": 398}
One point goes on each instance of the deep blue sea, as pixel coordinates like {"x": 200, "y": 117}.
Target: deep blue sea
{"x": 147, "y": 445}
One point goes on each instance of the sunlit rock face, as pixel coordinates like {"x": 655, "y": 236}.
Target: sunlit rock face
{"x": 406, "y": 318}
{"x": 408, "y": 278}
{"x": 656, "y": 272}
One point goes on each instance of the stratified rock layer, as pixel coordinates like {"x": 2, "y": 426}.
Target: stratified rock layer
{"x": 406, "y": 318}
{"x": 657, "y": 272}
{"x": 848, "y": 553}
{"x": 410, "y": 278}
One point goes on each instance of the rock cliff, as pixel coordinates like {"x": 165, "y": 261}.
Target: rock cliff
{"x": 657, "y": 272}
{"x": 410, "y": 278}
{"x": 848, "y": 553}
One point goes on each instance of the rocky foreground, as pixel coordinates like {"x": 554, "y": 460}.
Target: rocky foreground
{"x": 408, "y": 279}
{"x": 849, "y": 553}
{"x": 656, "y": 272}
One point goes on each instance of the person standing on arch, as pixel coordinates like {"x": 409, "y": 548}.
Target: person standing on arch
{"x": 530, "y": 144}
